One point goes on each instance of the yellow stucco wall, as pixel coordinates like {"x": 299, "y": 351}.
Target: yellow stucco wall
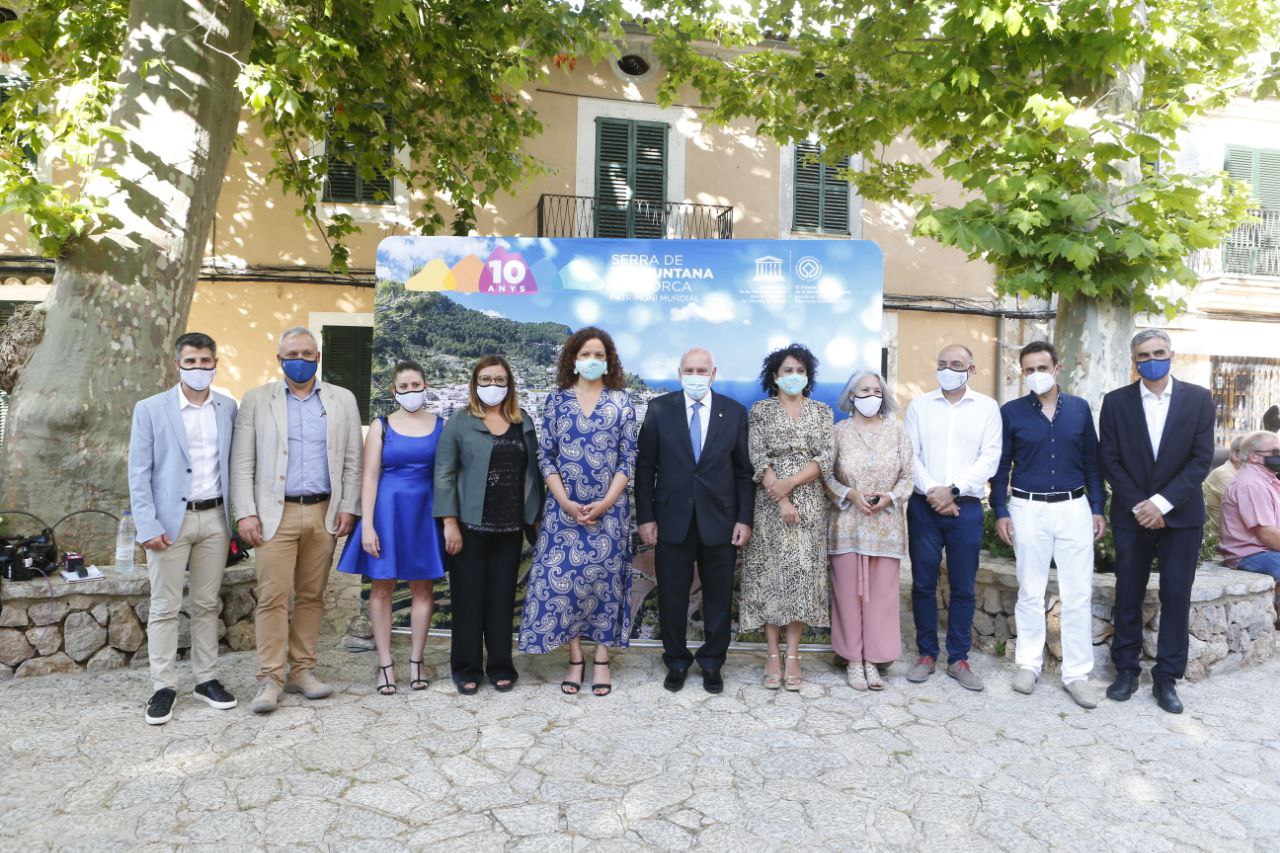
{"x": 246, "y": 320}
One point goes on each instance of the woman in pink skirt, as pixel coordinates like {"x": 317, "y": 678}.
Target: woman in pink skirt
{"x": 870, "y": 485}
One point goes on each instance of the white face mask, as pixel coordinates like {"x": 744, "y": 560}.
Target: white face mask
{"x": 491, "y": 395}
{"x": 198, "y": 378}
{"x": 411, "y": 401}
{"x": 1040, "y": 383}
{"x": 950, "y": 380}
{"x": 868, "y": 407}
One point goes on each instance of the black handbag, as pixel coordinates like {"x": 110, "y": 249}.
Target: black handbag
{"x": 237, "y": 550}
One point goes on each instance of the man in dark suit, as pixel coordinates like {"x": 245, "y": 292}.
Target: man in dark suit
{"x": 1156, "y": 447}
{"x": 694, "y": 501}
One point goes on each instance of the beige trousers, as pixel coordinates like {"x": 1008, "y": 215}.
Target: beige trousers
{"x": 200, "y": 552}
{"x": 296, "y": 561}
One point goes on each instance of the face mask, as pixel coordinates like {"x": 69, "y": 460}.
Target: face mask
{"x": 299, "y": 369}
{"x": 793, "y": 383}
{"x": 491, "y": 395}
{"x": 197, "y": 378}
{"x": 590, "y": 369}
{"x": 695, "y": 386}
{"x": 950, "y": 380}
{"x": 868, "y": 407}
{"x": 1272, "y": 461}
{"x": 1040, "y": 383}
{"x": 1155, "y": 369}
{"x": 411, "y": 401}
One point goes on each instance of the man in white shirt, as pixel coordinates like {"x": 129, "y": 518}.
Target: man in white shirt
{"x": 956, "y": 436}
{"x": 179, "y": 481}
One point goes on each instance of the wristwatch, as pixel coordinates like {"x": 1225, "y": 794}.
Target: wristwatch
{"x": 955, "y": 492}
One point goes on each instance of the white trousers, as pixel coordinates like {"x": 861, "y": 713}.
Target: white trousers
{"x": 1062, "y": 532}
{"x": 199, "y": 557}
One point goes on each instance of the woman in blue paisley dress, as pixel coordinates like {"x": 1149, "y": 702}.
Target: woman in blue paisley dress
{"x": 580, "y": 581}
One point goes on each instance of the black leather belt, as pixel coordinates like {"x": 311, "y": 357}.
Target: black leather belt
{"x": 201, "y": 506}
{"x": 1049, "y": 497}
{"x": 307, "y": 499}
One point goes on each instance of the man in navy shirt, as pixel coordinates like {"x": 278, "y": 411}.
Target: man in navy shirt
{"x": 1054, "y": 512}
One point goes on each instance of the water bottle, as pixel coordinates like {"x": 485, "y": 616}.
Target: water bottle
{"x": 126, "y": 533}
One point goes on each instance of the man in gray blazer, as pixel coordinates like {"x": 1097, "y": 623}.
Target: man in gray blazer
{"x": 295, "y": 483}
{"x": 179, "y": 449}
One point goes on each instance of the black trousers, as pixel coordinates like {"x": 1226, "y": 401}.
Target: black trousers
{"x": 674, "y": 565}
{"x": 482, "y": 589}
{"x": 1178, "y": 551}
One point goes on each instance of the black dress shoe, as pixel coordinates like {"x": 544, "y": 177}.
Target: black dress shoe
{"x": 1167, "y": 697}
{"x": 675, "y": 679}
{"x": 712, "y": 682}
{"x": 1125, "y": 685}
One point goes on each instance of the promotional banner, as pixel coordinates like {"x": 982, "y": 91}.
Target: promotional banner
{"x": 446, "y": 301}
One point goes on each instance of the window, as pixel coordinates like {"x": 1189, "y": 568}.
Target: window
{"x": 821, "y": 203}
{"x": 631, "y": 178}
{"x": 356, "y": 175}
{"x": 1260, "y": 169}
{"x": 347, "y": 359}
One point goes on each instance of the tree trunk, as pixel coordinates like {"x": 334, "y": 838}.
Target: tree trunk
{"x": 120, "y": 298}
{"x": 1093, "y": 338}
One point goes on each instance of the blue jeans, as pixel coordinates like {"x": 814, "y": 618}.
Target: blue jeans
{"x": 1263, "y": 562}
{"x": 928, "y": 534}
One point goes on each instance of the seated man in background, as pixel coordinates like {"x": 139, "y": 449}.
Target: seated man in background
{"x": 1250, "y": 523}
{"x": 1215, "y": 486}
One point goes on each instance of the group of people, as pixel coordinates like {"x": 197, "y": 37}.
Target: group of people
{"x": 817, "y": 514}
{"x": 1243, "y": 497}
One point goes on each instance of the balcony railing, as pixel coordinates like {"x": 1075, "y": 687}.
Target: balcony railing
{"x": 1250, "y": 250}
{"x": 586, "y": 216}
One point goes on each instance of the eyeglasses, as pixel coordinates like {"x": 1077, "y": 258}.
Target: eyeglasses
{"x": 496, "y": 381}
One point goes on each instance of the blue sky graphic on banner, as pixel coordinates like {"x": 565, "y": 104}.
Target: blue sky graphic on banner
{"x": 447, "y": 300}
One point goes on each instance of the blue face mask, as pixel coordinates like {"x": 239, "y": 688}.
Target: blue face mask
{"x": 1155, "y": 369}
{"x": 590, "y": 369}
{"x": 793, "y": 383}
{"x": 299, "y": 369}
{"x": 695, "y": 386}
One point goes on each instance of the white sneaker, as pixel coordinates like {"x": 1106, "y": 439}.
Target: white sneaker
{"x": 857, "y": 678}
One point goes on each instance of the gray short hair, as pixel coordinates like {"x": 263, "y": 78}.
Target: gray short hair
{"x": 1253, "y": 441}
{"x": 1147, "y": 334}
{"x": 297, "y": 331}
{"x": 1235, "y": 444}
{"x": 888, "y": 405}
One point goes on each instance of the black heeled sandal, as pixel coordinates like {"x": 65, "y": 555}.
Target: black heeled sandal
{"x": 387, "y": 687}
{"x": 418, "y": 683}
{"x": 601, "y": 689}
{"x": 576, "y": 685}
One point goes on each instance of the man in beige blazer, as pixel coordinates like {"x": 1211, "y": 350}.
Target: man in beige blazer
{"x": 295, "y": 485}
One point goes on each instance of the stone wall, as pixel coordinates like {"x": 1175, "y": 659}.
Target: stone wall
{"x": 54, "y": 626}
{"x": 1233, "y": 617}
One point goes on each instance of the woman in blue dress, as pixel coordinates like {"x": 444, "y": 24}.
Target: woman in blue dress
{"x": 580, "y": 581}
{"x": 397, "y": 539}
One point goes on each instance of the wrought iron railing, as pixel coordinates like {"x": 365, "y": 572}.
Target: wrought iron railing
{"x": 1251, "y": 249}
{"x": 586, "y": 216}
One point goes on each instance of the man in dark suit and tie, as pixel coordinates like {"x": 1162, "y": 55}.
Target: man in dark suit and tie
{"x": 694, "y": 501}
{"x": 1156, "y": 447}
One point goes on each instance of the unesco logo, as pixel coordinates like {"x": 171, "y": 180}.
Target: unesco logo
{"x": 809, "y": 268}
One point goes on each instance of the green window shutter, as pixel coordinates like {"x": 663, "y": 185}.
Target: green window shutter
{"x": 342, "y": 178}
{"x": 821, "y": 199}
{"x": 631, "y": 178}
{"x": 7, "y": 83}
{"x": 346, "y": 165}
{"x": 1267, "y": 188}
{"x": 347, "y": 360}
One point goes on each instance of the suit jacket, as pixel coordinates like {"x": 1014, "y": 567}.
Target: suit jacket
{"x": 670, "y": 488}
{"x": 160, "y": 464}
{"x": 260, "y": 454}
{"x": 1186, "y": 453}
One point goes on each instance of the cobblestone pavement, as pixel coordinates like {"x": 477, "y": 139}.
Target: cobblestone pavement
{"x": 921, "y": 766}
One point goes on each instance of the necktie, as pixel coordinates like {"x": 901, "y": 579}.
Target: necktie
{"x": 695, "y": 431}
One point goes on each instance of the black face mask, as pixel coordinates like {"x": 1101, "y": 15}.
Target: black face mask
{"x": 1272, "y": 461}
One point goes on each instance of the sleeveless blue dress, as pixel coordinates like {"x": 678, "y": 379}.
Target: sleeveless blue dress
{"x": 412, "y": 541}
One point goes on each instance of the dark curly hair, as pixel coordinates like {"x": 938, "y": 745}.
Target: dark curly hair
{"x": 613, "y": 378}
{"x": 773, "y": 361}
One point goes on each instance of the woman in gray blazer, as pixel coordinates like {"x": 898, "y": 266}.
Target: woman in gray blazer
{"x": 488, "y": 490}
